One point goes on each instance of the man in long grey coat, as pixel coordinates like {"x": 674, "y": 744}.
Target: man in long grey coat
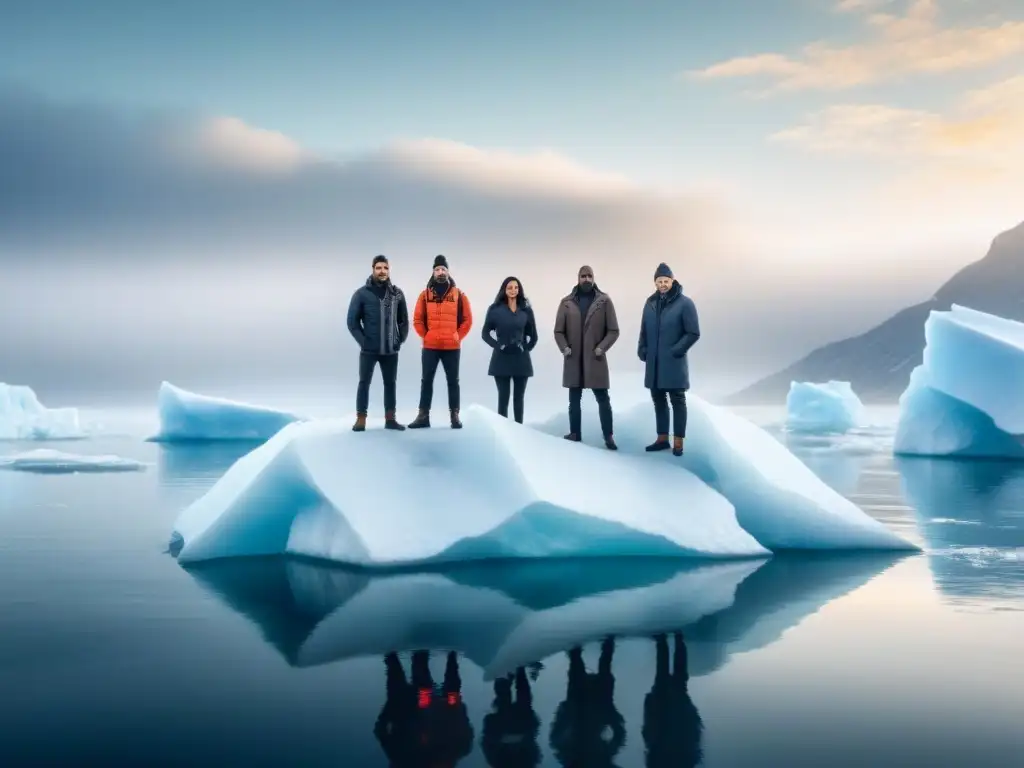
{"x": 585, "y": 329}
{"x": 668, "y": 329}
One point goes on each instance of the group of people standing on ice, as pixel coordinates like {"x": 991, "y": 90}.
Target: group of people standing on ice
{"x": 586, "y": 327}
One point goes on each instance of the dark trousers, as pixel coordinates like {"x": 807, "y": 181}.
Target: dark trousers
{"x": 661, "y": 398}
{"x": 516, "y": 387}
{"x": 388, "y": 372}
{"x": 604, "y": 410}
{"x": 449, "y": 360}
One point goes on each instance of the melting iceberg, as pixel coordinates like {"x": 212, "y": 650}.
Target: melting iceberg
{"x": 494, "y": 489}
{"x": 829, "y": 407}
{"x": 47, "y": 461}
{"x": 23, "y": 417}
{"x": 502, "y": 616}
{"x": 186, "y": 416}
{"x": 965, "y": 398}
{"x": 777, "y": 498}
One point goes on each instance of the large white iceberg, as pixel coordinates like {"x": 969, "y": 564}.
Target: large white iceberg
{"x": 826, "y": 407}
{"x": 966, "y": 399}
{"x": 48, "y": 461}
{"x": 186, "y": 416}
{"x": 23, "y": 417}
{"x": 777, "y": 498}
{"x": 501, "y": 616}
{"x": 494, "y": 489}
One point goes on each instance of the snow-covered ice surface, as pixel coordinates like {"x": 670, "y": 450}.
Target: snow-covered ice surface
{"x": 822, "y": 408}
{"x": 187, "y": 416}
{"x": 23, "y": 417}
{"x": 494, "y": 489}
{"x": 506, "y": 615}
{"x": 49, "y": 461}
{"x": 966, "y": 399}
{"x": 778, "y": 499}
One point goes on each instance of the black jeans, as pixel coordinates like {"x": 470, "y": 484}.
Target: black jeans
{"x": 604, "y": 410}
{"x": 516, "y": 386}
{"x": 449, "y": 360}
{"x": 388, "y": 372}
{"x": 661, "y": 398}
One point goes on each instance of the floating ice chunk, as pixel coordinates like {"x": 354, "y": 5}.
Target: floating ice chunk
{"x": 186, "y": 416}
{"x": 504, "y": 615}
{"x": 829, "y": 407}
{"x": 47, "y": 461}
{"x": 494, "y": 489}
{"x": 778, "y": 499}
{"x": 965, "y": 399}
{"x": 23, "y": 417}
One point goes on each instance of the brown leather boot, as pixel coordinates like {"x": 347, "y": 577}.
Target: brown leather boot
{"x": 360, "y": 425}
{"x": 677, "y": 446}
{"x": 391, "y": 423}
{"x": 422, "y": 420}
{"x": 661, "y": 444}
{"x": 456, "y": 424}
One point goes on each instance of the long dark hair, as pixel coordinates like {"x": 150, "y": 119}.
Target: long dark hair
{"x": 501, "y": 298}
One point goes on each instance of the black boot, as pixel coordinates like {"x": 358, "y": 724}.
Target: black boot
{"x": 456, "y": 424}
{"x": 391, "y": 423}
{"x": 661, "y": 444}
{"x": 422, "y": 420}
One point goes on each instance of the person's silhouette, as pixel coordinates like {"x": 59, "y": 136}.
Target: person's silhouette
{"x": 672, "y": 726}
{"x": 511, "y": 728}
{"x": 421, "y": 726}
{"x": 588, "y": 731}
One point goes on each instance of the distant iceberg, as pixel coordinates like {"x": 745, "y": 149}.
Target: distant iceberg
{"x": 47, "y": 461}
{"x": 23, "y": 417}
{"x": 777, "y": 498}
{"x": 830, "y": 407}
{"x": 495, "y": 489}
{"x": 189, "y": 417}
{"x": 965, "y": 399}
{"x": 501, "y": 616}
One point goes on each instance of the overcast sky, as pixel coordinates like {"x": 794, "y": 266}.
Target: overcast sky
{"x": 193, "y": 193}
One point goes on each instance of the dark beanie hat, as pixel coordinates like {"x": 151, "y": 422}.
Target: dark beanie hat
{"x": 663, "y": 271}
{"x": 440, "y": 261}
{"x": 379, "y": 258}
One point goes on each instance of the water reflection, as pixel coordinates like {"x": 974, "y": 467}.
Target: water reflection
{"x": 587, "y": 728}
{"x": 200, "y": 464}
{"x": 512, "y": 727}
{"x": 503, "y": 616}
{"x": 838, "y": 461}
{"x": 971, "y": 515}
{"x": 672, "y": 728}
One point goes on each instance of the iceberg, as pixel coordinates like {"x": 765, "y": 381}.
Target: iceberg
{"x": 493, "y": 490}
{"x": 823, "y": 408}
{"x": 503, "y": 616}
{"x": 47, "y": 461}
{"x": 964, "y": 400}
{"x": 189, "y": 417}
{"x": 23, "y": 417}
{"x": 778, "y": 499}
{"x": 971, "y": 517}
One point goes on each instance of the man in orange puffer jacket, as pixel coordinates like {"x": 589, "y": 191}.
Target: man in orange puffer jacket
{"x": 443, "y": 318}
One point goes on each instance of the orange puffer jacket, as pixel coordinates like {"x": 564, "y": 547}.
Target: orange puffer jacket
{"x": 444, "y": 320}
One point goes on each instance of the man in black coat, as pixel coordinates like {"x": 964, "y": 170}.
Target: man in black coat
{"x": 378, "y": 319}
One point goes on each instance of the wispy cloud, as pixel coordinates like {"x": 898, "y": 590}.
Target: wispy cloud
{"x": 913, "y": 43}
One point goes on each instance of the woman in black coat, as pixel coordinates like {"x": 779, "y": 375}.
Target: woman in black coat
{"x": 511, "y": 331}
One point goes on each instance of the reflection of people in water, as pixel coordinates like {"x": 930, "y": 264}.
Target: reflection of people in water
{"x": 421, "y": 725}
{"x": 511, "y": 728}
{"x": 672, "y": 726}
{"x": 587, "y": 729}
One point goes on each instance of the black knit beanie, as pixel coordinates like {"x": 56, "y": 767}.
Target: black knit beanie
{"x": 378, "y": 259}
{"x": 663, "y": 271}
{"x": 440, "y": 261}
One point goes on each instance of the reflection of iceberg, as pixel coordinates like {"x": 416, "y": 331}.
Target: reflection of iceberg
{"x": 964, "y": 399}
{"x": 971, "y": 515}
{"x": 186, "y": 417}
{"x": 778, "y": 499}
{"x": 320, "y": 490}
{"x": 506, "y": 615}
{"x": 199, "y": 464}
{"x": 839, "y": 463}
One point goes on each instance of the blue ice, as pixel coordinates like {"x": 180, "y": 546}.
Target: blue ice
{"x": 830, "y": 407}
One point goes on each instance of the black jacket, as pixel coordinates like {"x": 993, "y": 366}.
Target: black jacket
{"x": 512, "y": 335}
{"x": 378, "y": 319}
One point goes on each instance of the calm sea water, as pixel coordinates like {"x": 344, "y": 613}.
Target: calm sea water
{"x": 113, "y": 654}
